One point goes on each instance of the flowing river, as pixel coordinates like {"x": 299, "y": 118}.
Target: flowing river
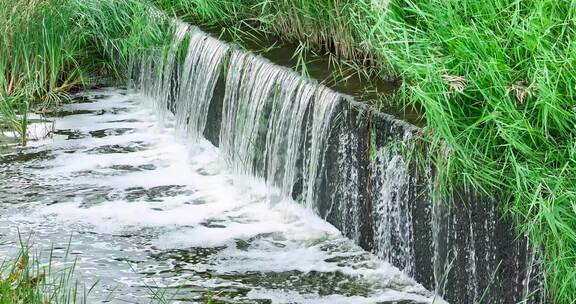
{"x": 142, "y": 211}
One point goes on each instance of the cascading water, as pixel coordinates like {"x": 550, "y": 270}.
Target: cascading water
{"x": 251, "y": 92}
{"x": 141, "y": 213}
{"x": 156, "y": 81}
{"x": 371, "y": 197}
{"x": 348, "y": 185}
{"x": 264, "y": 116}
{"x": 274, "y": 125}
{"x": 324, "y": 106}
{"x": 272, "y": 119}
{"x": 393, "y": 218}
{"x": 204, "y": 57}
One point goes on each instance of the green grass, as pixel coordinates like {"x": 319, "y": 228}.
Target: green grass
{"x": 37, "y": 61}
{"x": 32, "y": 279}
{"x": 49, "y": 47}
{"x": 496, "y": 79}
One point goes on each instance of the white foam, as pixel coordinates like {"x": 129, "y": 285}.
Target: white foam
{"x": 206, "y": 207}
{"x": 288, "y": 297}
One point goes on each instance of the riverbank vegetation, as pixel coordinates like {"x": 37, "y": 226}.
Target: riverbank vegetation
{"x": 50, "y": 47}
{"x": 30, "y": 279}
{"x": 495, "y": 79}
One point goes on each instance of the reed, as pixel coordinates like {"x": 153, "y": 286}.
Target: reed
{"x": 33, "y": 279}
{"x": 37, "y": 60}
{"x": 49, "y": 47}
{"x": 496, "y": 81}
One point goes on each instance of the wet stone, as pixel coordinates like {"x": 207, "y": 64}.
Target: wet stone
{"x": 130, "y": 120}
{"x": 111, "y": 132}
{"x": 133, "y": 168}
{"x": 80, "y": 99}
{"x": 66, "y": 113}
{"x": 112, "y": 111}
{"x": 127, "y": 148}
{"x": 70, "y": 134}
{"x": 154, "y": 194}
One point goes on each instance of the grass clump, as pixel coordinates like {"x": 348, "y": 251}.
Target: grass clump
{"x": 26, "y": 279}
{"x": 38, "y": 58}
{"x": 49, "y": 47}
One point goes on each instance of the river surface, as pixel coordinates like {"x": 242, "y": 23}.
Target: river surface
{"x": 144, "y": 212}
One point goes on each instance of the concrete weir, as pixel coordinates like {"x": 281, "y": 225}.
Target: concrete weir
{"x": 342, "y": 159}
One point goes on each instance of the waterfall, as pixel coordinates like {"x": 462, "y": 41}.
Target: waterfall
{"x": 339, "y": 158}
{"x": 348, "y": 185}
{"x": 153, "y": 73}
{"x": 326, "y": 101}
{"x": 250, "y": 93}
{"x": 393, "y": 225}
{"x": 264, "y": 124}
{"x": 161, "y": 89}
{"x": 275, "y": 124}
{"x": 197, "y": 81}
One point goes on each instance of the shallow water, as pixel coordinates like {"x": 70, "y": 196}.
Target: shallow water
{"x": 143, "y": 212}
